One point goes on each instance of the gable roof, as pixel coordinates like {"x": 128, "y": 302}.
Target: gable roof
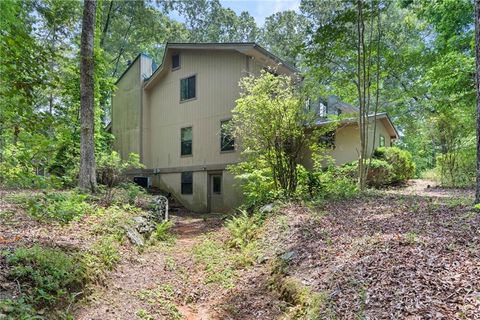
{"x": 247, "y": 48}
{"x": 130, "y": 65}
{"x": 383, "y": 116}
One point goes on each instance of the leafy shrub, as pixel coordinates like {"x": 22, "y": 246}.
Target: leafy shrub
{"x": 457, "y": 169}
{"x": 111, "y": 168}
{"x": 247, "y": 255}
{"x": 47, "y": 277}
{"x": 63, "y": 207}
{"x": 380, "y": 173}
{"x": 329, "y": 183}
{"x": 243, "y": 229}
{"x": 401, "y": 161}
{"x": 257, "y": 183}
{"x": 162, "y": 231}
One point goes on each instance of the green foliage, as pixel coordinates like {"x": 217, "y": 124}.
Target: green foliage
{"x": 271, "y": 122}
{"x": 102, "y": 257}
{"x": 256, "y": 181}
{"x": 162, "y": 232}
{"x": 112, "y": 221}
{"x": 59, "y": 206}
{"x": 283, "y": 34}
{"x": 216, "y": 261}
{"x": 307, "y": 304}
{"x": 329, "y": 183}
{"x": 208, "y": 21}
{"x": 47, "y": 278}
{"x": 401, "y": 161}
{"x": 160, "y": 297}
{"x": 19, "y": 170}
{"x": 380, "y": 173}
{"x": 125, "y": 193}
{"x": 111, "y": 168}
{"x": 243, "y": 229}
{"x": 457, "y": 169}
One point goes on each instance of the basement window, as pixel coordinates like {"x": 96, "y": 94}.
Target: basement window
{"x": 175, "y": 61}
{"x": 227, "y": 142}
{"x": 188, "y": 88}
{"x": 187, "y": 182}
{"x": 186, "y": 141}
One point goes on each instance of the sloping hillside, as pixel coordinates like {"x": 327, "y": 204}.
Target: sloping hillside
{"x": 388, "y": 255}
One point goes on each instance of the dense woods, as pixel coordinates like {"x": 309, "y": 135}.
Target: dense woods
{"x": 79, "y": 239}
{"x": 417, "y": 63}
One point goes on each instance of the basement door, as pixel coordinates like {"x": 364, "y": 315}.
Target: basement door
{"x": 215, "y": 192}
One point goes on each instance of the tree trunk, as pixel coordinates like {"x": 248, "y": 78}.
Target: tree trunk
{"x": 477, "y": 56}
{"x": 87, "y": 178}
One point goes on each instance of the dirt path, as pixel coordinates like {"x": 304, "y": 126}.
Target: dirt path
{"x": 428, "y": 188}
{"x": 161, "y": 283}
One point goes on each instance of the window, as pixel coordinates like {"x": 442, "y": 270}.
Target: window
{"x": 175, "y": 61}
{"x": 328, "y": 139}
{"x": 382, "y": 141}
{"x": 227, "y": 142}
{"x": 217, "y": 184}
{"x": 188, "y": 88}
{"x": 186, "y": 141}
{"x": 187, "y": 182}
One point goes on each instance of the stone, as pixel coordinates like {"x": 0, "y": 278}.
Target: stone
{"x": 143, "y": 224}
{"x": 268, "y": 208}
{"x": 135, "y": 237}
{"x": 288, "y": 256}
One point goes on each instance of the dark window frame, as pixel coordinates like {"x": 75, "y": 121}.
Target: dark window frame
{"x": 186, "y": 96}
{"x": 179, "y": 61}
{"x": 226, "y": 146}
{"x": 186, "y": 182}
{"x": 182, "y": 153}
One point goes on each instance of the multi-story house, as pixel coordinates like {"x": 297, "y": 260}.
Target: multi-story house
{"x": 174, "y": 117}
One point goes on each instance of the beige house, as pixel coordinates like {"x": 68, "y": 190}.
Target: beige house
{"x": 172, "y": 116}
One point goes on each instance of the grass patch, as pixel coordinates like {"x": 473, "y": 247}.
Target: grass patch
{"x": 217, "y": 262}
{"x": 162, "y": 297}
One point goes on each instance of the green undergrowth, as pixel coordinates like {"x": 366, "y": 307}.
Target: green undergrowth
{"x": 216, "y": 260}
{"x": 162, "y": 233}
{"x": 221, "y": 259}
{"x": 161, "y": 297}
{"x": 51, "y": 280}
{"x": 63, "y": 207}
